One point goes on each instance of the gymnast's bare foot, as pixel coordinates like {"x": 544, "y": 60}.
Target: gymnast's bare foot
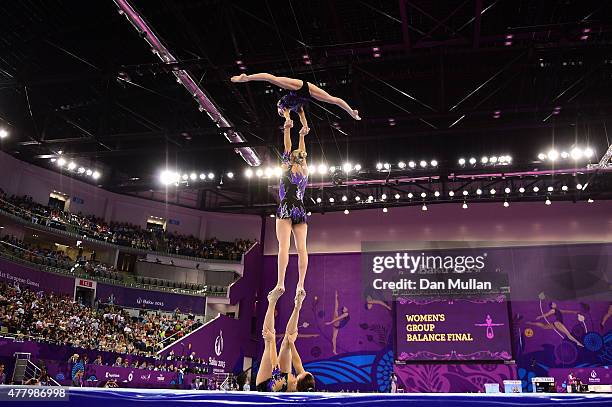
{"x": 276, "y": 293}
{"x": 300, "y": 294}
{"x": 355, "y": 115}
{"x": 239, "y": 78}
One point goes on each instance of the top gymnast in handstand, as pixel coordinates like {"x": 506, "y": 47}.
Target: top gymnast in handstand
{"x": 300, "y": 92}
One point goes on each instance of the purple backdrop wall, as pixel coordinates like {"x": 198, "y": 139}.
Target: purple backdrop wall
{"x": 153, "y": 300}
{"x": 35, "y": 280}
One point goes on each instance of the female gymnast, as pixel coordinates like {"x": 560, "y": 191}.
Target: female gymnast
{"x": 557, "y": 323}
{"x": 300, "y": 92}
{"x": 291, "y": 214}
{"x": 338, "y": 322}
{"x": 275, "y": 371}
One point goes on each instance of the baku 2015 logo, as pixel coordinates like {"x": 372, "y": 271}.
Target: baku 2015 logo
{"x": 219, "y": 344}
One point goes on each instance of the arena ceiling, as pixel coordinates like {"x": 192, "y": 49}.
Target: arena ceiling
{"x": 433, "y": 80}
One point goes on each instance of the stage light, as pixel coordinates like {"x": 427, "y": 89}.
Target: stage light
{"x": 72, "y": 165}
{"x": 564, "y": 188}
{"x": 502, "y": 159}
{"x": 465, "y": 205}
{"x": 423, "y": 163}
{"x": 588, "y": 152}
{"x": 312, "y": 169}
{"x": 308, "y": 213}
{"x": 346, "y": 211}
{"x": 547, "y": 202}
{"x": 193, "y": 176}
{"x": 492, "y": 192}
{"x": 410, "y": 195}
{"x": 53, "y": 160}
{"x": 437, "y": 194}
{"x": 3, "y": 134}
{"x": 553, "y": 155}
{"x": 401, "y": 164}
{"x": 370, "y": 198}
{"x": 484, "y": 160}
{"x": 347, "y": 167}
{"x": 465, "y": 193}
{"x": 541, "y": 156}
{"x": 248, "y": 173}
{"x": 472, "y": 161}
{"x": 230, "y": 175}
{"x": 424, "y": 207}
{"x": 81, "y": 170}
{"x": 332, "y": 169}
{"x": 387, "y": 166}
{"x": 89, "y": 172}
{"x": 507, "y": 190}
{"x": 536, "y": 189}
{"x": 451, "y": 193}
{"x": 590, "y": 200}
{"x": 411, "y": 164}
{"x": 344, "y": 198}
{"x": 211, "y": 175}
{"x": 383, "y": 196}
{"x": 202, "y": 176}
{"x": 462, "y": 161}
{"x": 506, "y": 204}
{"x": 423, "y": 195}
{"x": 479, "y": 191}
{"x": 434, "y": 163}
{"x": 550, "y": 189}
{"x": 268, "y": 172}
{"x": 322, "y": 169}
{"x": 564, "y": 154}
{"x": 259, "y": 172}
{"x": 357, "y": 198}
{"x": 185, "y": 177}
{"x": 379, "y": 166}
{"x": 331, "y": 200}
{"x": 508, "y": 159}
{"x": 578, "y": 186}
{"x": 357, "y": 167}
{"x": 166, "y": 177}
{"x": 385, "y": 210}
{"x": 493, "y": 159}
{"x": 397, "y": 196}
{"x": 319, "y": 199}
{"x": 272, "y": 215}
{"x": 521, "y": 190}
{"x": 576, "y": 153}
{"x": 95, "y": 175}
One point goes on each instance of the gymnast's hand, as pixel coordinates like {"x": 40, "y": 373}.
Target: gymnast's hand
{"x": 304, "y": 131}
{"x": 288, "y": 123}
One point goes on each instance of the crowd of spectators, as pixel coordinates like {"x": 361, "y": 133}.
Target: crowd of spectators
{"x": 123, "y": 234}
{"x": 59, "y": 320}
{"x": 36, "y": 254}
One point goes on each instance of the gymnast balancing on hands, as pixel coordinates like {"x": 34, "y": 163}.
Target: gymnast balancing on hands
{"x": 300, "y": 92}
{"x": 275, "y": 370}
{"x": 291, "y": 214}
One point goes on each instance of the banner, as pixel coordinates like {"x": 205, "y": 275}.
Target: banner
{"x": 35, "y": 280}
{"x": 146, "y": 299}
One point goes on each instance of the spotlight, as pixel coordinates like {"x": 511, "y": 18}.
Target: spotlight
{"x": 259, "y": 172}
{"x": 564, "y": 188}
{"x": 536, "y": 189}
{"x": 312, "y": 168}
{"x": 379, "y": 166}
{"x": 506, "y": 204}
{"x": 588, "y": 152}
{"x": 319, "y": 199}
{"x": 564, "y": 154}
{"x": 271, "y": 215}
{"x": 508, "y": 159}
{"x": 248, "y": 173}
{"x": 202, "y": 176}
{"x": 423, "y": 195}
{"x": 401, "y": 164}
{"x": 397, "y": 196}
{"x": 547, "y": 202}
{"x": 550, "y": 189}
{"x": 322, "y": 169}
{"x": 346, "y": 211}
{"x": 423, "y": 163}
{"x": 72, "y": 165}
{"x": 578, "y": 186}
{"x": 502, "y": 159}
{"x": 465, "y": 193}
{"x": 462, "y": 161}
{"x": 465, "y": 205}
{"x": 507, "y": 190}
{"x": 385, "y": 210}
{"x": 553, "y": 155}
{"x": 492, "y": 192}
{"x": 370, "y": 198}
{"x": 185, "y": 177}
{"x": 521, "y": 190}
{"x": 347, "y": 167}
{"x": 344, "y": 198}
{"x": 268, "y": 172}
{"x": 541, "y": 156}
{"x": 81, "y": 170}
{"x": 331, "y": 200}
{"x": 451, "y": 193}
{"x": 424, "y": 207}
{"x": 166, "y": 177}
{"x": 211, "y": 175}
{"x": 410, "y": 195}
{"x": 437, "y": 194}
{"x": 576, "y": 153}
{"x": 95, "y": 175}
{"x": 479, "y": 191}
{"x": 332, "y": 169}
{"x": 590, "y": 200}
{"x": 472, "y": 161}
{"x": 493, "y": 159}
{"x": 278, "y": 171}
{"x": 387, "y": 166}
{"x": 383, "y": 196}
{"x": 484, "y": 160}
{"x": 3, "y": 133}
{"x": 89, "y": 172}
{"x": 357, "y": 167}
{"x": 193, "y": 176}
{"x": 434, "y": 163}
{"x": 411, "y": 164}
{"x": 357, "y": 198}
{"x": 53, "y": 160}
{"x": 308, "y": 213}
{"x": 230, "y": 175}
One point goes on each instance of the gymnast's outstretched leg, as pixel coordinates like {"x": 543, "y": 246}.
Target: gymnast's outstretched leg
{"x": 269, "y": 359}
{"x": 322, "y": 96}
{"x": 280, "y": 81}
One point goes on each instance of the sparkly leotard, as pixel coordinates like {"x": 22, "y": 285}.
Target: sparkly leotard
{"x": 295, "y": 99}
{"x": 291, "y": 193}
